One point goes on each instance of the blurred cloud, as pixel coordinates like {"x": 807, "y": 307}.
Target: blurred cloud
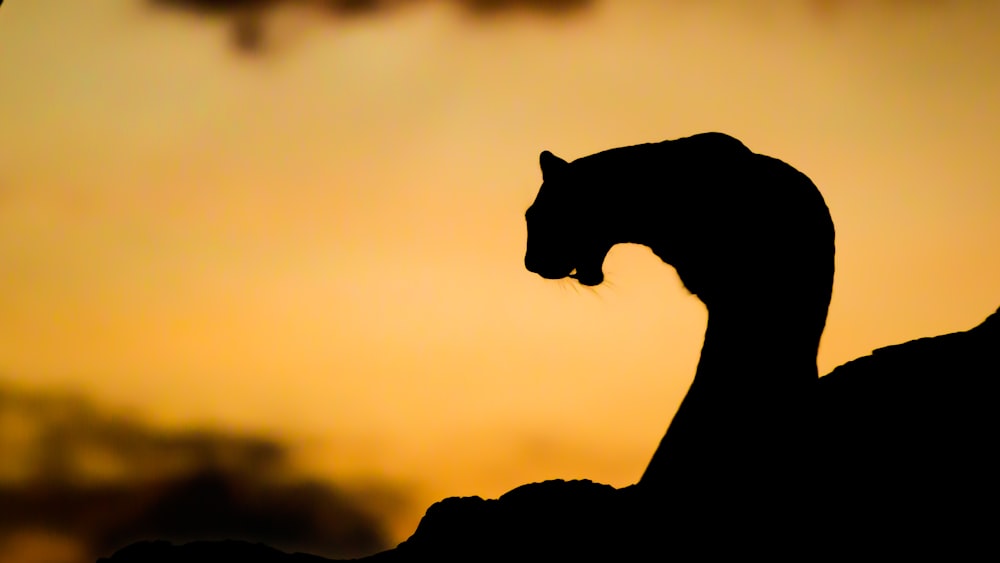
{"x": 77, "y": 483}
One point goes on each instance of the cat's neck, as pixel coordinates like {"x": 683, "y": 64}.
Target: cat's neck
{"x": 743, "y": 426}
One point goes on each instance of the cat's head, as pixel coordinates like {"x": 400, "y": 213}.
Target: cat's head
{"x": 564, "y": 234}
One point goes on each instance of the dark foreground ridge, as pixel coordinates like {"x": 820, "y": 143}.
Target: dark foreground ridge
{"x": 890, "y": 455}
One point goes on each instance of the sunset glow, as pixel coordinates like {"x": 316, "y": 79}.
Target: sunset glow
{"x": 323, "y": 242}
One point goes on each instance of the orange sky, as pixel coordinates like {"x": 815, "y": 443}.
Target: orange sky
{"x": 324, "y": 242}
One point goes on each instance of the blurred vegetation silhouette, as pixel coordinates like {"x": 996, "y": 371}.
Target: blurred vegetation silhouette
{"x": 249, "y": 17}
{"x": 92, "y": 480}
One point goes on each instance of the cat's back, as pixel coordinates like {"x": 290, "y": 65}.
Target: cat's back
{"x": 697, "y": 147}
{"x": 707, "y": 143}
{"x": 712, "y": 173}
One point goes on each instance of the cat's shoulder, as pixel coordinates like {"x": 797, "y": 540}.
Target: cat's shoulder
{"x": 710, "y": 142}
{"x": 694, "y": 148}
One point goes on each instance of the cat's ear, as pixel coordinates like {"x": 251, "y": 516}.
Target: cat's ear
{"x": 551, "y": 164}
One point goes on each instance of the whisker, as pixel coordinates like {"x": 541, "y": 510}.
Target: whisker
{"x": 566, "y": 283}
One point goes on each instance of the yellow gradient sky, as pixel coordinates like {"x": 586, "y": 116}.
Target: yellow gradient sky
{"x": 324, "y": 242}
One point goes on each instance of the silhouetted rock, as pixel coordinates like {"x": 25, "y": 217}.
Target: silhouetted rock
{"x": 554, "y": 520}
{"x": 908, "y": 440}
